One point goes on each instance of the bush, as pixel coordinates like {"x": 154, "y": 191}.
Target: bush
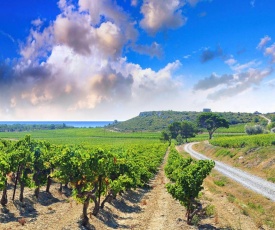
{"x": 256, "y": 129}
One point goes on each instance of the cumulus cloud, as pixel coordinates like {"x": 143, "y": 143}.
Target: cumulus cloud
{"x": 208, "y": 54}
{"x": 263, "y": 42}
{"x": 75, "y": 67}
{"x": 161, "y": 15}
{"x": 83, "y": 30}
{"x": 112, "y": 12}
{"x": 38, "y": 44}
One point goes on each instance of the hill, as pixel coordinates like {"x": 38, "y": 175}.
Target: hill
{"x": 160, "y": 120}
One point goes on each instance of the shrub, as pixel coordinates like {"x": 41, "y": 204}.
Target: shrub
{"x": 256, "y": 129}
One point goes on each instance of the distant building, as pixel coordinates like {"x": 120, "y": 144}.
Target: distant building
{"x": 256, "y": 112}
{"x": 206, "y": 110}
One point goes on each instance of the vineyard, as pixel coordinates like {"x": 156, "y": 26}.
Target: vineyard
{"x": 243, "y": 141}
{"x": 92, "y": 173}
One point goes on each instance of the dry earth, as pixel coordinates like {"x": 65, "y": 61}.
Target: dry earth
{"x": 145, "y": 208}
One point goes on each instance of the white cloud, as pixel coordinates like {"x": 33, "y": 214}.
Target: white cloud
{"x": 218, "y": 87}
{"x": 263, "y": 42}
{"x": 161, "y": 15}
{"x": 270, "y": 51}
{"x": 7, "y": 35}
{"x": 193, "y": 2}
{"x": 231, "y": 61}
{"x": 134, "y": 2}
{"x": 154, "y": 50}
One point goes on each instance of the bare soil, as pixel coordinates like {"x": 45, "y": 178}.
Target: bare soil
{"x": 144, "y": 208}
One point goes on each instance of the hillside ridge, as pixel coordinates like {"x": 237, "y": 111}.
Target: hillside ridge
{"x": 160, "y": 120}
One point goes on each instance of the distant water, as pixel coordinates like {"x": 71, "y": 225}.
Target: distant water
{"x": 76, "y": 124}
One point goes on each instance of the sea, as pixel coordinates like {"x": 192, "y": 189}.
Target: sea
{"x": 76, "y": 124}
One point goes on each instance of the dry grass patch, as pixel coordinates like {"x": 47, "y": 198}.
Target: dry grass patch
{"x": 260, "y": 209}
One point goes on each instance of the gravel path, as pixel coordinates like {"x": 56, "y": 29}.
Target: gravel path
{"x": 250, "y": 181}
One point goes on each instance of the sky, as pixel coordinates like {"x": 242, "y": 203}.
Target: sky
{"x": 110, "y": 60}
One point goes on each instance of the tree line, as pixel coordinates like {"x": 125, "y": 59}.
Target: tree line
{"x": 181, "y": 131}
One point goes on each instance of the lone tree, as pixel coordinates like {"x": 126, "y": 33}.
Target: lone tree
{"x": 211, "y": 122}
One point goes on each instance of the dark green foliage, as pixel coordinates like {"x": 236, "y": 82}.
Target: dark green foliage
{"x": 188, "y": 130}
{"x": 165, "y": 137}
{"x": 181, "y": 131}
{"x": 211, "y": 122}
{"x": 174, "y": 129}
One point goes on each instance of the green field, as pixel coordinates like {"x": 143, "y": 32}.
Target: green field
{"x": 86, "y": 136}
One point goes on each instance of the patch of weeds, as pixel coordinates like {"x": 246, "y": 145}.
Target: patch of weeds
{"x": 256, "y": 207}
{"x": 195, "y": 220}
{"x": 231, "y": 198}
{"x": 221, "y": 182}
{"x": 209, "y": 210}
{"x": 272, "y": 179}
{"x": 245, "y": 212}
{"x": 200, "y": 195}
{"x": 270, "y": 222}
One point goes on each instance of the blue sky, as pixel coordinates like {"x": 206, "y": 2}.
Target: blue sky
{"x": 106, "y": 60}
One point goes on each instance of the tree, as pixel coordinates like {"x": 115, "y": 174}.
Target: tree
{"x": 211, "y": 122}
{"x": 165, "y": 137}
{"x": 188, "y": 129}
{"x": 174, "y": 129}
{"x": 180, "y": 131}
{"x": 179, "y": 139}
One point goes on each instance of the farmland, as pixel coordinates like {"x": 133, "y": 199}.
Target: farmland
{"x": 253, "y": 153}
